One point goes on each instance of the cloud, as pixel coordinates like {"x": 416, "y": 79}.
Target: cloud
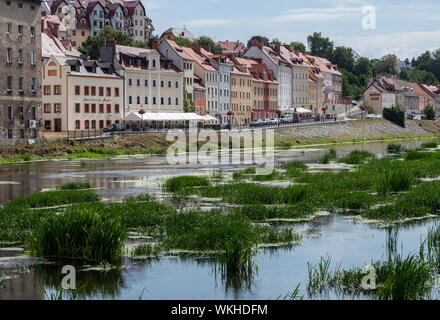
{"x": 402, "y": 44}
{"x": 208, "y": 22}
{"x": 318, "y": 14}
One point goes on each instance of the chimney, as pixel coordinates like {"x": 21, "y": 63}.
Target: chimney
{"x": 207, "y": 48}
{"x": 155, "y": 45}
{"x": 197, "y": 48}
{"x": 111, "y": 43}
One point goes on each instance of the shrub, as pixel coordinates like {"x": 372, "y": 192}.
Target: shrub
{"x": 395, "y": 114}
{"x": 429, "y": 112}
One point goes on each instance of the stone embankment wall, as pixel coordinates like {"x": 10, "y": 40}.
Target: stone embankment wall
{"x": 355, "y": 130}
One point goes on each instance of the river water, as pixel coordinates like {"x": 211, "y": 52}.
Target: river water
{"x": 280, "y": 271}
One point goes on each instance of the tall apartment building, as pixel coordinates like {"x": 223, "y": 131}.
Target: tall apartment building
{"x": 20, "y": 60}
{"x": 80, "y": 95}
{"x": 264, "y": 85}
{"x": 241, "y": 96}
{"x": 281, "y": 69}
{"x": 83, "y": 18}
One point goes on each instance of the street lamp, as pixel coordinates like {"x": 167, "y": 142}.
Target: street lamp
{"x": 141, "y": 112}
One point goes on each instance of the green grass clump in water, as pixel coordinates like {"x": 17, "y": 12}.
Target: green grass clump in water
{"x": 55, "y": 198}
{"x": 294, "y": 169}
{"x": 259, "y": 212}
{"x": 396, "y": 279}
{"x": 79, "y": 233}
{"x": 245, "y": 193}
{"x": 395, "y": 181}
{"x": 431, "y": 247}
{"x": 179, "y": 184}
{"x": 329, "y": 156}
{"x": 357, "y": 157}
{"x": 146, "y": 251}
{"x": 430, "y": 145}
{"x": 394, "y": 148}
{"x": 76, "y": 186}
{"x": 419, "y": 155}
{"x": 244, "y": 174}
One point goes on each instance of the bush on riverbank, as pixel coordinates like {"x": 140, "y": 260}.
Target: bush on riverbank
{"x": 395, "y": 114}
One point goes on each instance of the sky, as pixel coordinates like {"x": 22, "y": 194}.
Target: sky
{"x": 404, "y": 28}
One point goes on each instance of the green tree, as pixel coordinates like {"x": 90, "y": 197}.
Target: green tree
{"x": 422, "y": 76}
{"x": 206, "y": 41}
{"x": 343, "y": 57}
{"x": 299, "y": 46}
{"x": 183, "y": 42}
{"x": 189, "y": 106}
{"x": 275, "y": 42}
{"x": 386, "y": 64}
{"x": 92, "y": 46}
{"x": 429, "y": 112}
{"x": 363, "y": 67}
{"x": 262, "y": 39}
{"x": 320, "y": 46}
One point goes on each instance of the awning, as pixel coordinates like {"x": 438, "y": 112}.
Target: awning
{"x": 297, "y": 110}
{"x": 135, "y": 116}
{"x": 209, "y": 118}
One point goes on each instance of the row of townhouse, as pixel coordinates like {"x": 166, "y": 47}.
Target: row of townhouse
{"x": 262, "y": 84}
{"x": 84, "y": 18}
{"x": 385, "y": 91}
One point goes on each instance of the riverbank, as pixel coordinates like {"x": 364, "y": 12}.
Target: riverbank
{"x": 153, "y": 143}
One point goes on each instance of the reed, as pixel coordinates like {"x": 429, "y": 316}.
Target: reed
{"x": 179, "y": 184}
{"x": 329, "y": 156}
{"x": 357, "y": 157}
{"x": 394, "y": 148}
{"x": 76, "y": 186}
{"x": 430, "y": 145}
{"x": 395, "y": 181}
{"x": 78, "y": 233}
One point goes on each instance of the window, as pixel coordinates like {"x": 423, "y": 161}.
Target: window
{"x": 146, "y": 100}
{"x": 77, "y": 108}
{"x": 9, "y": 112}
{"x": 86, "y": 108}
{"x": 77, "y": 90}
{"x": 109, "y": 108}
{"x": 130, "y": 82}
{"x": 73, "y": 32}
{"x": 109, "y": 92}
{"x": 47, "y": 108}
{"x": 154, "y": 100}
{"x": 9, "y": 84}
{"x": 146, "y": 83}
{"x": 86, "y": 124}
{"x": 20, "y": 56}
{"x": 77, "y": 124}
{"x": 93, "y": 124}
{"x": 177, "y": 101}
{"x": 48, "y": 125}
{"x": 33, "y": 58}
{"x": 154, "y": 83}
{"x": 101, "y": 91}
{"x": 57, "y": 90}
{"x": 21, "y": 84}
{"x": 101, "y": 108}
{"x": 32, "y": 32}
{"x": 162, "y": 84}
{"x": 177, "y": 84}
{"x": 116, "y": 108}
{"x": 101, "y": 124}
{"x": 116, "y": 92}
{"x": 8, "y": 28}
{"x": 86, "y": 90}
{"x": 9, "y": 55}
{"x": 20, "y": 30}
{"x": 130, "y": 100}
{"x": 93, "y": 108}
{"x": 162, "y": 101}
{"x": 138, "y": 82}
{"x": 169, "y": 100}
{"x": 93, "y": 91}
{"x": 57, "y": 108}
